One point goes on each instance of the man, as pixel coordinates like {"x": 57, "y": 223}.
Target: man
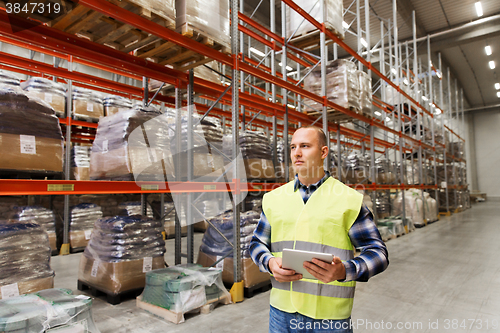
{"x": 315, "y": 212}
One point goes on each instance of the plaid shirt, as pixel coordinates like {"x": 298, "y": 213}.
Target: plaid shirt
{"x": 363, "y": 234}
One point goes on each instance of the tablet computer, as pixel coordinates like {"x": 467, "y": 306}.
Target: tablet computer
{"x": 294, "y": 259}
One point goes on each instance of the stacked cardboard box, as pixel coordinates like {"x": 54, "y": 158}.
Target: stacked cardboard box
{"x": 115, "y": 104}
{"x": 25, "y": 145}
{"x": 80, "y": 162}
{"x": 83, "y": 217}
{"x": 328, "y": 12}
{"x": 121, "y": 250}
{"x": 25, "y": 260}
{"x": 87, "y": 104}
{"x": 48, "y": 91}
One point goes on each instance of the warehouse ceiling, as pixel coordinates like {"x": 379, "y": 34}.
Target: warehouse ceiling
{"x": 455, "y": 29}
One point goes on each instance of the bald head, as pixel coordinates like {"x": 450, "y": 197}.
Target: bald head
{"x": 319, "y": 132}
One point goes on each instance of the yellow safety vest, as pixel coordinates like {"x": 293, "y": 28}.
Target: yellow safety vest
{"x": 320, "y": 225}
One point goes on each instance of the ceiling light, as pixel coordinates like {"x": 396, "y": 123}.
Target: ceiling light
{"x": 492, "y": 64}
{"x": 498, "y": 94}
{"x": 378, "y": 113}
{"x": 487, "y": 49}
{"x": 425, "y": 98}
{"x": 497, "y": 86}
{"x": 438, "y": 111}
{"x": 393, "y": 70}
{"x": 387, "y": 119}
{"x": 257, "y": 52}
{"x": 345, "y": 25}
{"x": 405, "y": 81}
{"x": 438, "y": 74}
{"x": 287, "y": 67}
{"x": 363, "y": 42}
{"x": 479, "y": 9}
{"x": 292, "y": 73}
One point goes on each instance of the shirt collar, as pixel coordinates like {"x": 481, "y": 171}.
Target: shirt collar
{"x": 298, "y": 184}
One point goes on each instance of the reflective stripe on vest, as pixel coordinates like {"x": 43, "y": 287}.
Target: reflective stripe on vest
{"x": 314, "y": 247}
{"x": 313, "y": 288}
{"x": 320, "y": 225}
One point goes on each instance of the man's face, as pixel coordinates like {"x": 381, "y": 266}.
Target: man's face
{"x": 305, "y": 151}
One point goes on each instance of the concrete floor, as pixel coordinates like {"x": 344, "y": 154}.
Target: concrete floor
{"x": 441, "y": 278}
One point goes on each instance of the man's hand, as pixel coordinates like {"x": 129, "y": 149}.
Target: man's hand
{"x": 326, "y": 272}
{"x": 281, "y": 274}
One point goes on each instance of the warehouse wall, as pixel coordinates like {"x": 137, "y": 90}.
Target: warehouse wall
{"x": 487, "y": 139}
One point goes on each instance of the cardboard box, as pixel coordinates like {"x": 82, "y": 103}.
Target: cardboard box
{"x": 34, "y": 285}
{"x": 79, "y": 238}
{"x": 52, "y": 240}
{"x": 88, "y": 109}
{"x": 249, "y": 270}
{"x": 111, "y": 110}
{"x": 170, "y": 229}
{"x": 57, "y": 102}
{"x": 80, "y": 173}
{"x": 115, "y": 277}
{"x": 27, "y": 152}
{"x": 259, "y": 168}
{"x": 204, "y": 164}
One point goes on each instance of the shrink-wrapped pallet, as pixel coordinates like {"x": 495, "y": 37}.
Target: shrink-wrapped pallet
{"x": 120, "y": 150}
{"x": 383, "y": 205}
{"x": 256, "y": 152}
{"x": 87, "y": 104}
{"x": 183, "y": 288}
{"x": 40, "y": 215}
{"x": 115, "y": 104}
{"x": 25, "y": 259}
{"x": 365, "y": 92}
{"x": 28, "y": 145}
{"x": 211, "y": 19}
{"x": 328, "y": 12}
{"x": 342, "y": 85}
{"x": 121, "y": 250}
{"x": 134, "y": 208}
{"x": 83, "y": 218}
{"x": 49, "y": 91}
{"x": 51, "y": 310}
{"x": 163, "y": 8}
{"x": 80, "y": 162}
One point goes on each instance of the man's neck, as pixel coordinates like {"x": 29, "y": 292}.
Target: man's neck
{"x": 313, "y": 178}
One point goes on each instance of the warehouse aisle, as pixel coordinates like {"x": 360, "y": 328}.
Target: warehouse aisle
{"x": 441, "y": 278}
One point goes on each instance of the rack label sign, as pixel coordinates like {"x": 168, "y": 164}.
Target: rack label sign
{"x": 443, "y": 184}
{"x": 147, "y": 264}
{"x": 150, "y": 187}
{"x": 220, "y": 264}
{"x": 28, "y": 144}
{"x": 48, "y": 98}
{"x": 10, "y": 290}
{"x": 60, "y": 187}
{"x": 90, "y": 107}
{"x": 210, "y": 187}
{"x": 105, "y": 146}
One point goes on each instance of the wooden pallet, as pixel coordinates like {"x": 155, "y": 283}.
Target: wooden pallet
{"x": 178, "y": 317}
{"x": 86, "y": 23}
{"x": 111, "y": 298}
{"x": 310, "y": 40}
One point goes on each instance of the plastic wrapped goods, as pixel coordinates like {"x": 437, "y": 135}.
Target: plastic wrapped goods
{"x": 419, "y": 210}
{"x": 395, "y": 227}
{"x": 328, "y": 12}
{"x": 120, "y": 151}
{"x": 342, "y": 85}
{"x": 209, "y": 18}
{"x": 49, "y": 91}
{"x": 51, "y": 310}
{"x": 115, "y": 104}
{"x": 9, "y": 79}
{"x": 184, "y": 287}
{"x": 28, "y": 145}
{"x": 121, "y": 250}
{"x": 80, "y": 162}
{"x": 83, "y": 217}
{"x": 25, "y": 259}
{"x": 383, "y": 205}
{"x": 163, "y": 8}
{"x": 357, "y": 169}
{"x": 213, "y": 243}
{"x": 43, "y": 216}
{"x": 365, "y": 92}
{"x": 206, "y": 146}
{"x": 134, "y": 208}
{"x": 87, "y": 104}
{"x": 208, "y": 209}
{"x": 256, "y": 152}
{"x": 384, "y": 171}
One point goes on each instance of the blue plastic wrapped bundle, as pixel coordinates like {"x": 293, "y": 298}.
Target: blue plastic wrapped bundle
{"x": 24, "y": 256}
{"x": 214, "y": 244}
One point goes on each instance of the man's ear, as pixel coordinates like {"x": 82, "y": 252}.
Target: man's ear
{"x": 324, "y": 152}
